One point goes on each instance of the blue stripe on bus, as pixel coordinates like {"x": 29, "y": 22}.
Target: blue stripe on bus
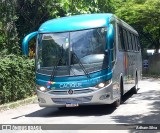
{"x": 85, "y": 82}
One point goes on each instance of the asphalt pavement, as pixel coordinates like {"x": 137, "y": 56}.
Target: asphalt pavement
{"x": 140, "y": 108}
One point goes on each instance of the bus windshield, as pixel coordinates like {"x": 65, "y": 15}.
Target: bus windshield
{"x": 72, "y": 53}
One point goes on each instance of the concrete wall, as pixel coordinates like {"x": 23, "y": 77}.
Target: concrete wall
{"x": 154, "y": 65}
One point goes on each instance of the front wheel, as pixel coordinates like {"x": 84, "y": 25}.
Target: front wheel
{"x": 135, "y": 88}
{"x": 119, "y": 101}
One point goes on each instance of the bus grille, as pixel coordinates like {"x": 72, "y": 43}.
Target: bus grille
{"x": 72, "y": 100}
{"x": 65, "y": 92}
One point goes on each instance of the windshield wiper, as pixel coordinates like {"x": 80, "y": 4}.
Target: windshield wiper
{"x": 57, "y": 64}
{"x": 60, "y": 61}
{"x": 54, "y": 69}
{"x": 81, "y": 65}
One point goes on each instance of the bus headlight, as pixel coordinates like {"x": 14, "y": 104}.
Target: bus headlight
{"x": 103, "y": 84}
{"x": 42, "y": 88}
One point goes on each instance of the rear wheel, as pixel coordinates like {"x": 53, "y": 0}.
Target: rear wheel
{"x": 119, "y": 101}
{"x": 135, "y": 88}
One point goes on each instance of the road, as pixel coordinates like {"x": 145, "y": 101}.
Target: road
{"x": 143, "y": 107}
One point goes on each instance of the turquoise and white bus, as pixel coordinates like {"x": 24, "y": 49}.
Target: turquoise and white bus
{"x": 87, "y": 59}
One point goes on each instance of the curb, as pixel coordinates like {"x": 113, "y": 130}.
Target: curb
{"x": 151, "y": 76}
{"x": 18, "y": 103}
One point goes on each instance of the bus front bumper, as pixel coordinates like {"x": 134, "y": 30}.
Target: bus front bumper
{"x": 100, "y": 96}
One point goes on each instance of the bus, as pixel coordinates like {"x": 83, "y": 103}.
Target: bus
{"x": 88, "y": 59}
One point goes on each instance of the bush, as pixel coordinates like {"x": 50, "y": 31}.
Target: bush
{"x": 17, "y": 78}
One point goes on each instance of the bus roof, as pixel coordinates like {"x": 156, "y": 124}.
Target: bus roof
{"x": 77, "y": 22}
{"x": 123, "y": 24}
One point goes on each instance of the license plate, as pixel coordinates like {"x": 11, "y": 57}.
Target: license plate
{"x": 72, "y": 105}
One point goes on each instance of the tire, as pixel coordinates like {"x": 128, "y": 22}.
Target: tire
{"x": 135, "y": 88}
{"x": 117, "y": 103}
{"x": 120, "y": 100}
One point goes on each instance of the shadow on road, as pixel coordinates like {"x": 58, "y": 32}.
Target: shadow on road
{"x": 96, "y": 110}
{"x": 153, "y": 117}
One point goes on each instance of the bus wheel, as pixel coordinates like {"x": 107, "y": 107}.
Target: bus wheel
{"x": 135, "y": 88}
{"x": 119, "y": 101}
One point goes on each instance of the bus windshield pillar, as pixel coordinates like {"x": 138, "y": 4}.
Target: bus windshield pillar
{"x": 110, "y": 36}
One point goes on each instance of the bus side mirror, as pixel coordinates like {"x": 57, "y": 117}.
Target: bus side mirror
{"x": 26, "y": 41}
{"x": 110, "y": 36}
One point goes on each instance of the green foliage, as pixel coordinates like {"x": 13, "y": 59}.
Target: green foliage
{"x": 16, "y": 78}
{"x": 20, "y": 17}
{"x": 145, "y": 17}
{"x": 8, "y": 31}
{"x": 75, "y": 7}
{"x": 31, "y": 14}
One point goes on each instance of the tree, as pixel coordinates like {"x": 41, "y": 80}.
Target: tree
{"x": 145, "y": 17}
{"x": 8, "y": 31}
{"x": 75, "y": 7}
{"x": 31, "y": 13}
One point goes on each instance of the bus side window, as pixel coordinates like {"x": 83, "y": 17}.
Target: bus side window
{"x": 120, "y": 38}
{"x": 138, "y": 46}
{"x": 129, "y": 41}
{"x": 113, "y": 51}
{"x": 133, "y": 42}
{"x": 125, "y": 40}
